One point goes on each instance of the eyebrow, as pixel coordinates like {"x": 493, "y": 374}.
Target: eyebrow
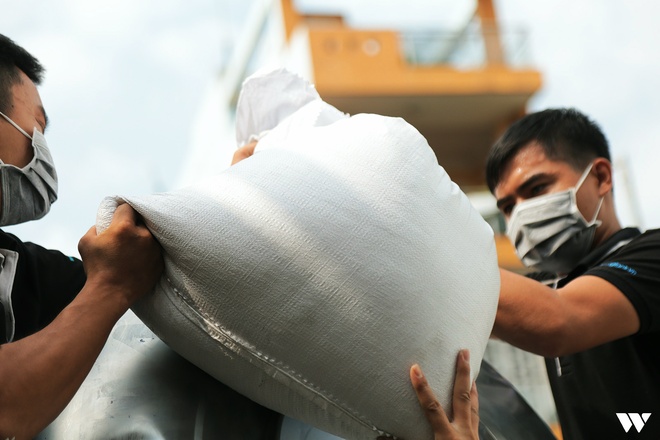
{"x": 524, "y": 187}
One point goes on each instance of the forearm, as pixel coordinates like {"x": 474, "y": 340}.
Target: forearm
{"x": 40, "y": 373}
{"x": 530, "y": 315}
{"x": 585, "y": 313}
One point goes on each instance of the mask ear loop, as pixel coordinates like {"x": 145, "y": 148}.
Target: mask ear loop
{"x": 583, "y": 177}
{"x": 15, "y": 125}
{"x": 594, "y": 220}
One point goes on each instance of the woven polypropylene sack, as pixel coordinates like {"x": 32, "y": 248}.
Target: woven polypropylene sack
{"x": 312, "y": 275}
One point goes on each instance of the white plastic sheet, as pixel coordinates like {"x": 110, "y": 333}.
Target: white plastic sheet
{"x": 310, "y": 276}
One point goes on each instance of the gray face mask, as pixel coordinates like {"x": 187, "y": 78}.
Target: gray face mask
{"x": 28, "y": 192}
{"x": 550, "y": 233}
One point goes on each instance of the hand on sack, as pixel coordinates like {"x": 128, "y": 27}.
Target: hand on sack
{"x": 244, "y": 152}
{"x": 125, "y": 258}
{"x": 465, "y": 425}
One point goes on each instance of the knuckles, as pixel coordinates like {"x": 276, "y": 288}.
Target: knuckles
{"x": 433, "y": 406}
{"x": 465, "y": 396}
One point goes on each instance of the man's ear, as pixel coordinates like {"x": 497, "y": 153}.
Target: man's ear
{"x": 603, "y": 170}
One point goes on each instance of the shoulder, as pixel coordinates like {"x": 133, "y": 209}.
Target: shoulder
{"x": 29, "y": 250}
{"x": 10, "y": 241}
{"x": 36, "y": 260}
{"x": 634, "y": 270}
{"x": 652, "y": 235}
{"x": 644, "y": 247}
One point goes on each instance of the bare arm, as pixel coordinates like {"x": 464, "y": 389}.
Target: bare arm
{"x": 585, "y": 313}
{"x": 40, "y": 373}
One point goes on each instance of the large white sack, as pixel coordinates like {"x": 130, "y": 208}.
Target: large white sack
{"x": 310, "y": 276}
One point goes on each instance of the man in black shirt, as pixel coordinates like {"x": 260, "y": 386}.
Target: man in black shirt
{"x": 54, "y": 320}
{"x": 597, "y": 316}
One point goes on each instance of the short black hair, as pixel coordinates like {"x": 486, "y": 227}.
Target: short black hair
{"x": 565, "y": 135}
{"x": 13, "y": 60}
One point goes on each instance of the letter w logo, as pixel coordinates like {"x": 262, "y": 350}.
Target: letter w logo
{"x": 627, "y": 420}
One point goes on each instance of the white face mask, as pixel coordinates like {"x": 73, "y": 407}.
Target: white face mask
{"x": 550, "y": 233}
{"x": 28, "y": 192}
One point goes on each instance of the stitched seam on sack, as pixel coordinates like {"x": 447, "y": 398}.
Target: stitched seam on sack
{"x": 230, "y": 342}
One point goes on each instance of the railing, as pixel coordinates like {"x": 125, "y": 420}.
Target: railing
{"x": 474, "y": 46}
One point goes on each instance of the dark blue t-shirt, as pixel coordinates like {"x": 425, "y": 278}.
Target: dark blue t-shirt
{"x": 35, "y": 285}
{"x": 620, "y": 377}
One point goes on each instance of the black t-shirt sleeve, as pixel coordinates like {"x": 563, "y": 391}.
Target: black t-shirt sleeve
{"x": 635, "y": 271}
{"x": 60, "y": 278}
{"x": 45, "y": 282}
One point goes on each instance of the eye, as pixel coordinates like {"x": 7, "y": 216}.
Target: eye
{"x": 507, "y": 209}
{"x": 537, "y": 190}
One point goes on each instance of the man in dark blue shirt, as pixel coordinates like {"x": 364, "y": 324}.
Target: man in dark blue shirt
{"x": 54, "y": 320}
{"x": 596, "y": 316}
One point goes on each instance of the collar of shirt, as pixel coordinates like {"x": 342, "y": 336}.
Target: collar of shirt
{"x": 609, "y": 246}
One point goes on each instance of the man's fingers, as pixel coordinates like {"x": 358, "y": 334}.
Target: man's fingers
{"x": 462, "y": 397}
{"x": 465, "y": 402}
{"x": 474, "y": 403}
{"x": 84, "y": 241}
{"x": 432, "y": 408}
{"x": 124, "y": 213}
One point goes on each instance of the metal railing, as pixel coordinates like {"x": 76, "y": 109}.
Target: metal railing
{"x": 476, "y": 45}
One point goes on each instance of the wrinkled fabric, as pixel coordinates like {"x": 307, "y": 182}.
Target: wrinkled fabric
{"x": 310, "y": 276}
{"x": 273, "y": 99}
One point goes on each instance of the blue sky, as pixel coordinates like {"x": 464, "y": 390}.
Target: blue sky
{"x": 126, "y": 79}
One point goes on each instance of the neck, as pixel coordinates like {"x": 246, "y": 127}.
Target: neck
{"x": 609, "y": 222}
{"x": 609, "y": 227}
